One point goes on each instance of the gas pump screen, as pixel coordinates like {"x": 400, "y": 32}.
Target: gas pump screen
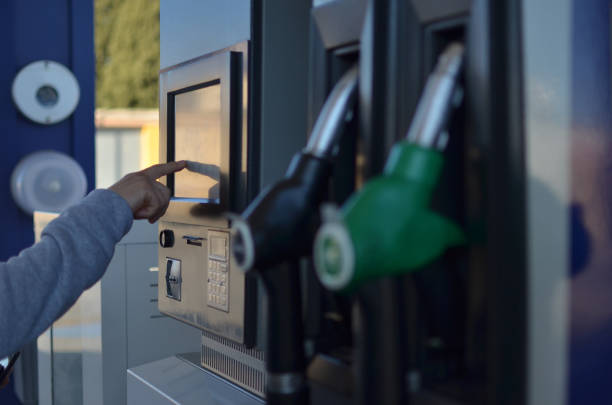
{"x": 197, "y": 139}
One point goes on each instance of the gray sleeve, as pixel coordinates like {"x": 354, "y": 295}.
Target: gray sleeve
{"x": 40, "y": 284}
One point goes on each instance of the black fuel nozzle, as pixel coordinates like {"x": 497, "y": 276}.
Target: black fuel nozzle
{"x": 277, "y": 229}
{"x": 280, "y": 223}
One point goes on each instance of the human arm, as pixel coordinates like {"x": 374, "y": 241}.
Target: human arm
{"x": 40, "y": 284}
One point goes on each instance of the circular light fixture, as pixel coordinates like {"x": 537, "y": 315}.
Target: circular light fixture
{"x": 47, "y": 181}
{"x": 46, "y": 92}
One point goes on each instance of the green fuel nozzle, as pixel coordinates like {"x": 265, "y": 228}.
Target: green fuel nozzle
{"x": 387, "y": 227}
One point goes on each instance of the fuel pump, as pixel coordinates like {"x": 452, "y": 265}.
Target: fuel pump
{"x": 387, "y": 229}
{"x": 277, "y": 229}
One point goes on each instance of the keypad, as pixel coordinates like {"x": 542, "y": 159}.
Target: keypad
{"x": 218, "y": 274}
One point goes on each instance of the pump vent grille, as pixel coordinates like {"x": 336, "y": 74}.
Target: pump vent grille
{"x": 233, "y": 361}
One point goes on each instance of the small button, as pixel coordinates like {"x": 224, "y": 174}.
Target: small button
{"x": 166, "y": 238}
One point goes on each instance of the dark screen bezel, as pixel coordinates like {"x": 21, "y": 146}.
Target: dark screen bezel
{"x": 171, "y": 141}
{"x": 225, "y": 66}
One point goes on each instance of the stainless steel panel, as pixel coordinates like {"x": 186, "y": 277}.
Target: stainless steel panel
{"x": 208, "y": 68}
{"x": 328, "y": 13}
{"x": 220, "y": 65}
{"x": 432, "y": 10}
{"x": 189, "y": 28}
{"x": 215, "y": 300}
{"x": 177, "y": 381}
{"x": 193, "y": 308}
{"x": 547, "y": 98}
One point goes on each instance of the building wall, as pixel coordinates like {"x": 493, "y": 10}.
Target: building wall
{"x": 59, "y": 30}
{"x": 126, "y": 141}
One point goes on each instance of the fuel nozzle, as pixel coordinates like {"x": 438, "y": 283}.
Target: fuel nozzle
{"x": 277, "y": 229}
{"x": 387, "y": 228}
{"x": 278, "y": 225}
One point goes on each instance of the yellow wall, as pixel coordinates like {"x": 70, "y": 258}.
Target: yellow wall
{"x": 149, "y": 145}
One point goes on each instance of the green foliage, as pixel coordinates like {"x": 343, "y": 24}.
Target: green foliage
{"x": 127, "y": 53}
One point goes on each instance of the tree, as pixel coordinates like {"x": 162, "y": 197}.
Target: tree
{"x": 127, "y": 53}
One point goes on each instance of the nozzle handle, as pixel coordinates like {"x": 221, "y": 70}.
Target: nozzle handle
{"x": 436, "y": 102}
{"x": 328, "y": 127}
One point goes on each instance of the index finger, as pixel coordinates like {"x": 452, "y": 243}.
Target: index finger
{"x": 156, "y": 171}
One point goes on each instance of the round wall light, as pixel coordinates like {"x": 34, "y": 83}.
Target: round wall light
{"x": 47, "y": 181}
{"x": 46, "y": 92}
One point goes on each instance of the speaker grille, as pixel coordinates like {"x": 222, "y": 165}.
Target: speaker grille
{"x": 242, "y": 366}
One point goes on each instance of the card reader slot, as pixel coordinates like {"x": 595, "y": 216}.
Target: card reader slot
{"x": 193, "y": 240}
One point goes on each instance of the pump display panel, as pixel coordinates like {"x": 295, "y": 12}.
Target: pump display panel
{"x": 197, "y": 139}
{"x": 202, "y": 110}
{"x": 203, "y": 114}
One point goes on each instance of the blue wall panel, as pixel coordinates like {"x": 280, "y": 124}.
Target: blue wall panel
{"x": 590, "y": 366}
{"x": 59, "y": 30}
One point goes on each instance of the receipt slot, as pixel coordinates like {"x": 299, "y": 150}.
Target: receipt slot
{"x": 277, "y": 229}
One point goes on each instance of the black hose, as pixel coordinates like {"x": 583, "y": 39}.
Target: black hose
{"x": 285, "y": 362}
{"x": 379, "y": 344}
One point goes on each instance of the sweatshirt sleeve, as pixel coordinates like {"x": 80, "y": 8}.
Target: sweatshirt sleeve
{"x": 40, "y": 284}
